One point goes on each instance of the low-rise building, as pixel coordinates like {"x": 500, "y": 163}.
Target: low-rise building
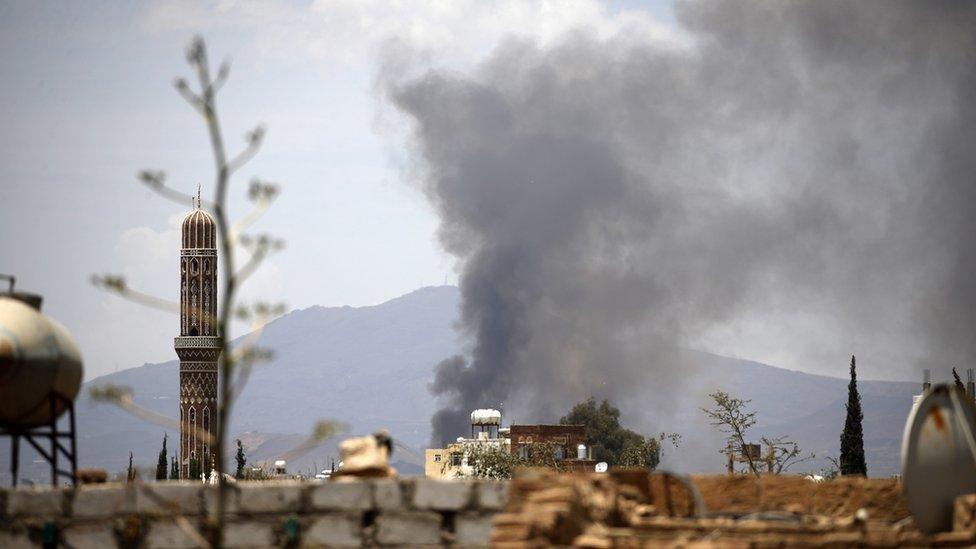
{"x": 451, "y": 462}
{"x": 568, "y": 443}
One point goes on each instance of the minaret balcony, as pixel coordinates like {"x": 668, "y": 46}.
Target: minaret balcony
{"x": 196, "y": 342}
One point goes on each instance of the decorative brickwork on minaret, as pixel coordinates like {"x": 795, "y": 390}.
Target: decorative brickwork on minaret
{"x": 197, "y": 345}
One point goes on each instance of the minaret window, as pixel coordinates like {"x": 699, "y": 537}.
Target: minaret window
{"x": 194, "y": 291}
{"x": 194, "y": 267}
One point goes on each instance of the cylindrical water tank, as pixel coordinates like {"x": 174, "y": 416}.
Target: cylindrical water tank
{"x": 581, "y": 451}
{"x": 38, "y": 357}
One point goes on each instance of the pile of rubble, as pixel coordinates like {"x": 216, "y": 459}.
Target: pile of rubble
{"x": 633, "y": 508}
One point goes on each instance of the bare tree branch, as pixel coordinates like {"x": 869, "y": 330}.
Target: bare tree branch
{"x": 156, "y": 180}
{"x": 193, "y": 99}
{"x": 785, "y": 453}
{"x": 262, "y": 195}
{"x": 121, "y": 396}
{"x": 254, "y": 138}
{"x": 197, "y": 57}
{"x": 222, "y": 73}
{"x": 322, "y": 431}
{"x": 117, "y": 284}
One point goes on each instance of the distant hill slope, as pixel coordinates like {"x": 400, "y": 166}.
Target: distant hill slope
{"x": 370, "y": 366}
{"x": 810, "y": 409}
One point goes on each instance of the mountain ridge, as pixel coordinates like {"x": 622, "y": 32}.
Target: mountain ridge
{"x": 370, "y": 367}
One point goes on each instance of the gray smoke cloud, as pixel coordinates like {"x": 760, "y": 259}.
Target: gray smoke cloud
{"x": 611, "y": 201}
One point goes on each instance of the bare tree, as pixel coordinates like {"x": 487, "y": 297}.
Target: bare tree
{"x": 235, "y": 363}
{"x": 784, "y": 453}
{"x": 732, "y": 418}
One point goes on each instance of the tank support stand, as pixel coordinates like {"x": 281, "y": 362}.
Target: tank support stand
{"x": 36, "y": 435}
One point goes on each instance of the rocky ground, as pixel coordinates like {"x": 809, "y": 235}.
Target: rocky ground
{"x": 636, "y": 509}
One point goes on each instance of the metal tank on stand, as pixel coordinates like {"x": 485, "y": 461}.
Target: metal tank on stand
{"x": 40, "y": 375}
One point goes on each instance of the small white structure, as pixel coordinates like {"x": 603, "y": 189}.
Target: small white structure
{"x": 486, "y": 416}
{"x": 485, "y": 423}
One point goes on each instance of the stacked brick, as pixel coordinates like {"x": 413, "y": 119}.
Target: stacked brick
{"x": 625, "y": 509}
{"x": 386, "y": 512}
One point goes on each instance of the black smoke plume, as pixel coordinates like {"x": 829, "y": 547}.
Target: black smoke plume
{"x": 612, "y": 200}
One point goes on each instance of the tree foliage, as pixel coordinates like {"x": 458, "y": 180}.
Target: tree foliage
{"x": 174, "y": 470}
{"x": 497, "y": 463}
{"x": 852, "y": 437}
{"x": 604, "y": 435}
{"x": 162, "y": 463}
{"x": 645, "y": 454}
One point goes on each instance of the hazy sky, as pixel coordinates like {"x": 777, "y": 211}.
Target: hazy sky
{"x": 87, "y": 101}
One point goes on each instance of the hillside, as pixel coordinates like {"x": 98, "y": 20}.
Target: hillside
{"x": 370, "y": 366}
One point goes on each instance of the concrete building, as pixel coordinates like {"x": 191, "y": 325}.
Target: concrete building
{"x": 451, "y": 462}
{"x": 569, "y": 445}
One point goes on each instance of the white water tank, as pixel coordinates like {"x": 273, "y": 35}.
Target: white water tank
{"x": 581, "y": 451}
{"x": 38, "y": 357}
{"x": 486, "y": 416}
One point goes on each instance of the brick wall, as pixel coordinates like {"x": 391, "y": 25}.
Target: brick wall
{"x": 333, "y": 514}
{"x": 569, "y": 436}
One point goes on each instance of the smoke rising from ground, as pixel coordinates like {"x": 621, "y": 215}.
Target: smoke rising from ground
{"x": 611, "y": 201}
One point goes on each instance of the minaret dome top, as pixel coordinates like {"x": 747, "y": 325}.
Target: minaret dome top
{"x": 199, "y": 230}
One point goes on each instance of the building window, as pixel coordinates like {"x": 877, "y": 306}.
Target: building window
{"x": 437, "y": 458}
{"x": 523, "y": 451}
{"x": 456, "y": 459}
{"x": 560, "y": 452}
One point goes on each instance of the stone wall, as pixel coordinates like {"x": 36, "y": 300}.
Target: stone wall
{"x": 281, "y": 513}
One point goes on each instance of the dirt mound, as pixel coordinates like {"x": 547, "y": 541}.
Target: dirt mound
{"x": 841, "y": 497}
{"x": 632, "y": 508}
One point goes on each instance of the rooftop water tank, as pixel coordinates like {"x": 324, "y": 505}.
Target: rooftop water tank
{"x": 486, "y": 416}
{"x": 38, "y": 359}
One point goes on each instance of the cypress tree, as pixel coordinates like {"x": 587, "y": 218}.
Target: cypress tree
{"x": 959, "y": 385}
{"x": 193, "y": 469}
{"x": 162, "y": 463}
{"x": 241, "y": 460}
{"x": 852, "y": 438}
{"x": 174, "y": 470}
{"x": 130, "y": 474}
